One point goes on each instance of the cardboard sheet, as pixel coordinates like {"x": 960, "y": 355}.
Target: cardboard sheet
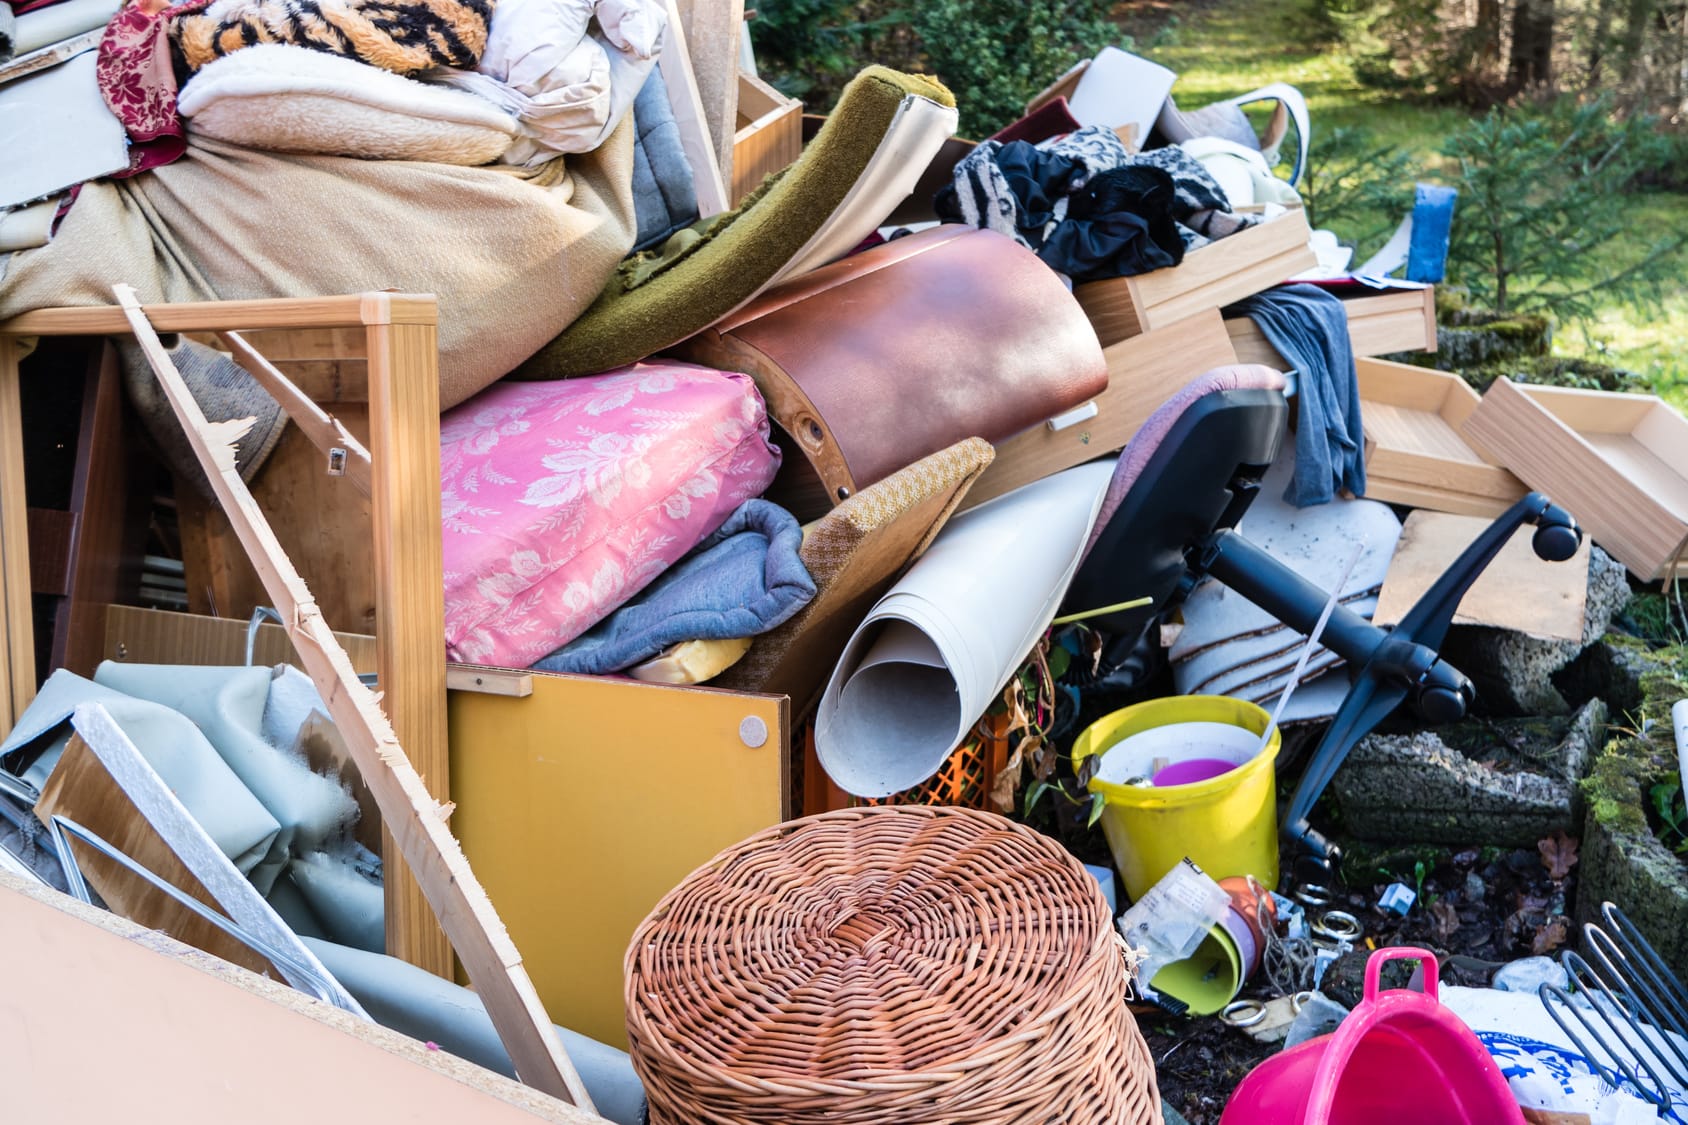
{"x": 1119, "y": 88}
{"x": 1518, "y": 591}
{"x": 935, "y": 650}
{"x": 55, "y": 131}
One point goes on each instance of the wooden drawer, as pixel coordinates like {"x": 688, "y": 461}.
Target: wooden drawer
{"x": 1208, "y": 278}
{"x": 1400, "y": 321}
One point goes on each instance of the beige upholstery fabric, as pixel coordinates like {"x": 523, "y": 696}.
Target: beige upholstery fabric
{"x": 514, "y": 255}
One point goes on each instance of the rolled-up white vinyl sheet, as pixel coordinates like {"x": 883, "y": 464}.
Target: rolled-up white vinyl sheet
{"x": 934, "y": 652}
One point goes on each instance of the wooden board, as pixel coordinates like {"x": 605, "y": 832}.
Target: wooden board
{"x": 1617, "y": 462}
{"x": 769, "y": 136}
{"x": 1208, "y": 278}
{"x": 691, "y": 116}
{"x": 410, "y": 816}
{"x": 1517, "y": 591}
{"x": 17, "y": 645}
{"x": 82, "y": 1038}
{"x": 714, "y": 35}
{"x": 1143, "y": 372}
{"x": 584, "y": 803}
{"x": 158, "y": 636}
{"x": 1415, "y": 452}
{"x": 1401, "y": 321}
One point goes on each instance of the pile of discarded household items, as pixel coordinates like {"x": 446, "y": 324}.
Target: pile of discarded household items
{"x": 698, "y": 525}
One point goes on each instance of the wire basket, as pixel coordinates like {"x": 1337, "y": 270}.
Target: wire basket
{"x": 966, "y": 778}
{"x": 876, "y": 965}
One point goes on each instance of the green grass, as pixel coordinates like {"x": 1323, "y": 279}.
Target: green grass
{"x": 1234, "y": 46}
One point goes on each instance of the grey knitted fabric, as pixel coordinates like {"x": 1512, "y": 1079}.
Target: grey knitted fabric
{"x": 223, "y": 390}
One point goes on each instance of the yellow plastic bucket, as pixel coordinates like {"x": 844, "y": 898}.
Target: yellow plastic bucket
{"x": 1227, "y": 824}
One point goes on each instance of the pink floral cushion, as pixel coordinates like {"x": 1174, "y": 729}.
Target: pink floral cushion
{"x": 564, "y": 499}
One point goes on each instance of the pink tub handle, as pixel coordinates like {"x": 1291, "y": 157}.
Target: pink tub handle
{"x": 1375, "y": 963}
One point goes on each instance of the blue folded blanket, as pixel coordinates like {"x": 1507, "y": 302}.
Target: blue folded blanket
{"x": 743, "y": 580}
{"x": 1309, "y": 328}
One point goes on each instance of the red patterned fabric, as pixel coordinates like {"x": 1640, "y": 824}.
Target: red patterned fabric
{"x": 138, "y": 82}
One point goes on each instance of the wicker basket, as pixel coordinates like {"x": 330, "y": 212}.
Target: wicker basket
{"x": 887, "y": 965}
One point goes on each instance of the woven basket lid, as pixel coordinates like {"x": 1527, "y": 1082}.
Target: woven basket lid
{"x": 946, "y": 964}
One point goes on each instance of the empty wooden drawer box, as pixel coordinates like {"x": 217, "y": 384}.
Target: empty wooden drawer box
{"x": 1617, "y": 462}
{"x": 1415, "y": 453}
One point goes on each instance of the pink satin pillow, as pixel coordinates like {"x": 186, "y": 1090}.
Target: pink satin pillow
{"x": 561, "y": 500}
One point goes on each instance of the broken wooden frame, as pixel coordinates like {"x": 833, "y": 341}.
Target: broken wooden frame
{"x": 377, "y": 348}
{"x": 408, "y": 812}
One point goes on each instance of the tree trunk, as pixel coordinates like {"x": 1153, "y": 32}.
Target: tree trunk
{"x": 1486, "y": 36}
{"x": 1531, "y": 63}
{"x": 1605, "y": 12}
{"x": 1636, "y": 19}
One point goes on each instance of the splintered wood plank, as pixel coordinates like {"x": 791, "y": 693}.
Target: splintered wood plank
{"x": 323, "y": 429}
{"x": 1616, "y": 462}
{"x": 354, "y": 310}
{"x": 410, "y": 814}
{"x": 1143, "y": 372}
{"x": 1517, "y": 591}
{"x": 17, "y": 647}
{"x": 404, "y": 439}
{"x": 239, "y": 1047}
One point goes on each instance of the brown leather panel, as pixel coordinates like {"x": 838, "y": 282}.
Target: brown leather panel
{"x": 905, "y": 349}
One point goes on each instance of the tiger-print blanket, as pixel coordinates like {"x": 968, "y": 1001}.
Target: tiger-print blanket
{"x": 403, "y": 36}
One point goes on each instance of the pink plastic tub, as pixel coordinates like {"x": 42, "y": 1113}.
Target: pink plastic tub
{"x": 1399, "y": 1058}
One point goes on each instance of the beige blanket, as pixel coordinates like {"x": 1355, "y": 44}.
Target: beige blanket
{"x": 513, "y": 254}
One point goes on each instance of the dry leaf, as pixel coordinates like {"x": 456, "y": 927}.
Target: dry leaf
{"x": 1551, "y": 936}
{"x": 1444, "y": 919}
{"x": 1007, "y": 783}
{"x": 1558, "y": 855}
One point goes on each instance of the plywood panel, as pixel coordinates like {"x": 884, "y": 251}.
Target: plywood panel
{"x": 1516, "y": 591}
{"x": 584, "y": 803}
{"x": 80, "y": 1033}
{"x": 158, "y": 636}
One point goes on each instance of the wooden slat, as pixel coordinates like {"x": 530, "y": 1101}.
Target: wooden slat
{"x": 239, "y": 1047}
{"x": 691, "y": 117}
{"x": 159, "y": 636}
{"x": 490, "y": 681}
{"x": 350, "y": 311}
{"x": 714, "y": 32}
{"x": 411, "y": 816}
{"x": 1143, "y": 372}
{"x": 51, "y": 533}
{"x": 1562, "y": 441}
{"x": 17, "y": 664}
{"x": 404, "y": 441}
{"x": 327, "y": 434}
{"x": 278, "y": 344}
